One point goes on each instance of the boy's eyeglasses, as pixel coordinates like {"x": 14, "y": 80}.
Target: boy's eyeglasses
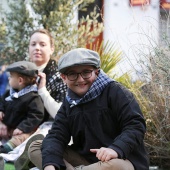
{"x": 84, "y": 74}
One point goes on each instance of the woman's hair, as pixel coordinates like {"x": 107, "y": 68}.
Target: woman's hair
{"x": 46, "y": 32}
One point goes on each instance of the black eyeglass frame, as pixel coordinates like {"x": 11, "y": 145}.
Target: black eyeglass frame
{"x": 77, "y": 75}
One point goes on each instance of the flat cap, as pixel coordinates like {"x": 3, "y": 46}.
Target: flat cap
{"x": 78, "y": 56}
{"x": 24, "y": 67}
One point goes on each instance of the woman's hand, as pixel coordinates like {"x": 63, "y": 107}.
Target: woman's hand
{"x": 42, "y": 82}
{"x": 105, "y": 154}
{"x": 49, "y": 167}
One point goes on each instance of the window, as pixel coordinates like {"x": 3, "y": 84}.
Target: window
{"x": 90, "y": 8}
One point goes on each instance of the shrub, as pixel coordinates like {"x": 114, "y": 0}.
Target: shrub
{"x": 154, "y": 99}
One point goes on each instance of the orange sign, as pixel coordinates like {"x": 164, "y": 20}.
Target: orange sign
{"x": 165, "y": 4}
{"x": 139, "y": 2}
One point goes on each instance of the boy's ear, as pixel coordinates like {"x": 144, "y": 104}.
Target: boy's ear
{"x": 63, "y": 76}
{"x": 21, "y": 80}
{"x": 97, "y": 72}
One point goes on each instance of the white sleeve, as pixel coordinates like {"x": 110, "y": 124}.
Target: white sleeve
{"x": 50, "y": 104}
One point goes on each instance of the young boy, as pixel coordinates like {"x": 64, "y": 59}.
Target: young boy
{"x": 21, "y": 108}
{"x": 100, "y": 114}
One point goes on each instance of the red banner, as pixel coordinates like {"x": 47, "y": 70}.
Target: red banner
{"x": 139, "y": 2}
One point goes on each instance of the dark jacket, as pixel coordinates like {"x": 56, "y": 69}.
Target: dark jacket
{"x": 112, "y": 120}
{"x": 25, "y": 113}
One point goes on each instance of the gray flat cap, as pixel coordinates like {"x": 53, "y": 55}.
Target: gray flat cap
{"x": 24, "y": 67}
{"x": 79, "y": 56}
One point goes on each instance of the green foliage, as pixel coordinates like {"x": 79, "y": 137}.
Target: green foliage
{"x": 2, "y": 32}
{"x": 18, "y": 24}
{"x": 56, "y": 16}
{"x": 110, "y": 56}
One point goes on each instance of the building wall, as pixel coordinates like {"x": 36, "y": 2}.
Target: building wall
{"x": 135, "y": 30}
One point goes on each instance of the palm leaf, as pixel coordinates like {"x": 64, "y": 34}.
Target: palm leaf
{"x": 109, "y": 56}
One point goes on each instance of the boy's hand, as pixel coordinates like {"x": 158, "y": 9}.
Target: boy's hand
{"x": 17, "y": 132}
{"x": 3, "y": 130}
{"x": 105, "y": 154}
{"x": 1, "y": 115}
{"x": 49, "y": 167}
{"x": 42, "y": 82}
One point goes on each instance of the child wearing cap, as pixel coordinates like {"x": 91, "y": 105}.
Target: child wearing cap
{"x": 21, "y": 108}
{"x": 102, "y": 117}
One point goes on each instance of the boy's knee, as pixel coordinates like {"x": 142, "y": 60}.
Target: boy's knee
{"x": 34, "y": 149}
{"x": 114, "y": 164}
{"x": 34, "y": 153}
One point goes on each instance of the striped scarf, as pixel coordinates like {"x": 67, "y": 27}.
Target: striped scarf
{"x": 15, "y": 94}
{"x": 95, "y": 90}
